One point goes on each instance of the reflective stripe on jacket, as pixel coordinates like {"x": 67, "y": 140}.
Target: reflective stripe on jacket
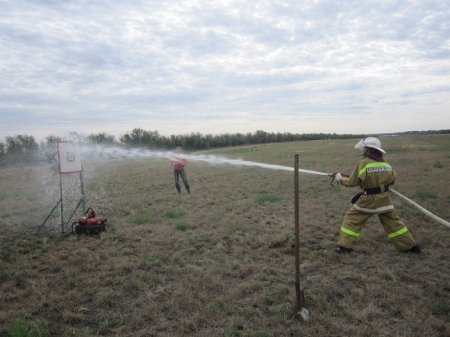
{"x": 369, "y": 173}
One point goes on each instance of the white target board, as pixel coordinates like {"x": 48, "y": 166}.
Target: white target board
{"x": 69, "y": 157}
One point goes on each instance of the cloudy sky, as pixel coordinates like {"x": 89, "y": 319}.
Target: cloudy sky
{"x": 223, "y": 66}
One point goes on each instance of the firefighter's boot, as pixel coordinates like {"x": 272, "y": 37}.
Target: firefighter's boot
{"x": 414, "y": 249}
{"x": 343, "y": 250}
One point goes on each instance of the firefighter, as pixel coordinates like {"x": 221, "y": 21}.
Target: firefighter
{"x": 178, "y": 165}
{"x": 374, "y": 176}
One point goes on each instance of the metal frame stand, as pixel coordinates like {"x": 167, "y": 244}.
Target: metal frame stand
{"x": 81, "y": 202}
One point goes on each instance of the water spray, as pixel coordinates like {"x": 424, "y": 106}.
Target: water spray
{"x": 118, "y": 152}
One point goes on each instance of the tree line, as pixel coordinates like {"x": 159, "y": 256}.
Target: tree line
{"x": 25, "y": 149}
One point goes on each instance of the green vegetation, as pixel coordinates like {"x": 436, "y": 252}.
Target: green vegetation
{"x": 230, "y": 229}
{"x": 442, "y": 307}
{"x": 181, "y": 226}
{"x": 438, "y": 164}
{"x": 144, "y": 218}
{"x": 260, "y": 334}
{"x": 23, "y": 148}
{"x": 426, "y": 195}
{"x": 154, "y": 260}
{"x": 174, "y": 214}
{"x": 268, "y": 198}
{"x": 20, "y": 328}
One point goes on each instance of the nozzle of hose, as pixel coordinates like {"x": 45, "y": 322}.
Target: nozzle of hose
{"x": 333, "y": 177}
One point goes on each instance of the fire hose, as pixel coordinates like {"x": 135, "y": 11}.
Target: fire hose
{"x": 331, "y": 175}
{"x": 421, "y": 209}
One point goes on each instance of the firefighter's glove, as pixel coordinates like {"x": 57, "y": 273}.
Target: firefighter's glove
{"x": 335, "y": 177}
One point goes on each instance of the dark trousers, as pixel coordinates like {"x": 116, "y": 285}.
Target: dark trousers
{"x": 176, "y": 176}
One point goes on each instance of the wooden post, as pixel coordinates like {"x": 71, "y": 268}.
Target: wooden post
{"x": 299, "y": 292}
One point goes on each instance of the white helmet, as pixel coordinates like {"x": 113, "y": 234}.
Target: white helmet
{"x": 372, "y": 142}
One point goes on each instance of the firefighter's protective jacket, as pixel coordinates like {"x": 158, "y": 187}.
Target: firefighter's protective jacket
{"x": 369, "y": 173}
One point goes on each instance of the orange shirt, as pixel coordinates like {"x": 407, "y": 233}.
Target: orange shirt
{"x": 178, "y": 164}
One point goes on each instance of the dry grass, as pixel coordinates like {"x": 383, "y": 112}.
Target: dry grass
{"x": 220, "y": 261}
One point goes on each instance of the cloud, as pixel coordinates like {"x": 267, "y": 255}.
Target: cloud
{"x": 243, "y": 64}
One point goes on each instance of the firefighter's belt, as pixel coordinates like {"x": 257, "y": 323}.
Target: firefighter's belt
{"x": 370, "y": 191}
{"x": 376, "y": 190}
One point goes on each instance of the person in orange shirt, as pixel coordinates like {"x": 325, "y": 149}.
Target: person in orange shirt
{"x": 178, "y": 165}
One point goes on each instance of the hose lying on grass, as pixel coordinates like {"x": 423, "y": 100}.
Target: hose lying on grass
{"x": 421, "y": 209}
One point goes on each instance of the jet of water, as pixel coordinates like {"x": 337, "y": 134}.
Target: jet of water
{"x": 111, "y": 152}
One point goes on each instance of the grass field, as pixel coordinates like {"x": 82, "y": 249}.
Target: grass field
{"x": 220, "y": 262}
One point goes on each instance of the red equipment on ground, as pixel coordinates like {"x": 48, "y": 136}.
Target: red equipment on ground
{"x": 89, "y": 224}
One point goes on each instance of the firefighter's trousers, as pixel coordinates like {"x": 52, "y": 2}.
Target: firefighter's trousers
{"x": 355, "y": 220}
